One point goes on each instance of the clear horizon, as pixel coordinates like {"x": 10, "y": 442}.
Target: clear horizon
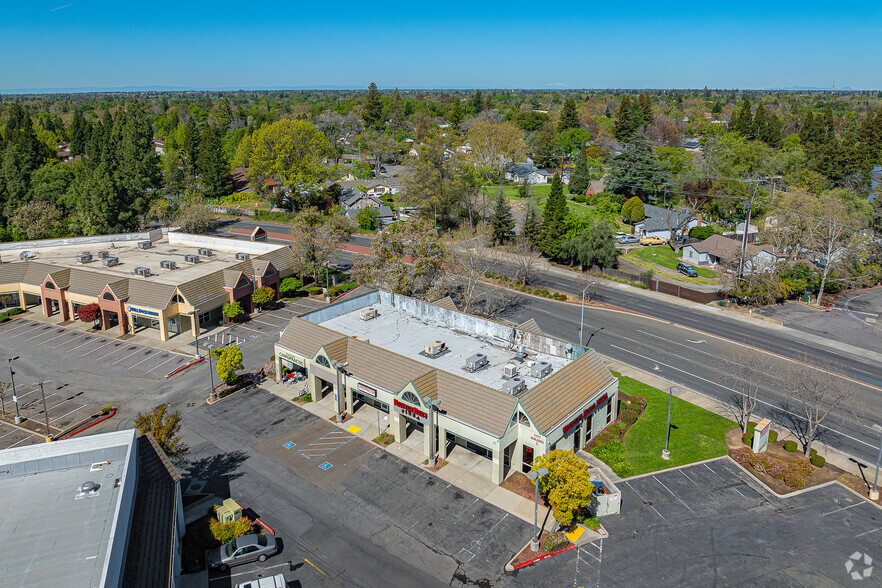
{"x": 94, "y": 45}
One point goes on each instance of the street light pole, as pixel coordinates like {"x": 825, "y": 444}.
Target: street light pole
{"x": 433, "y": 405}
{"x": 665, "y": 453}
{"x": 535, "y": 475}
{"x": 45, "y": 412}
{"x": 874, "y": 493}
{"x": 212, "y": 395}
{"x": 18, "y": 418}
{"x": 582, "y": 320}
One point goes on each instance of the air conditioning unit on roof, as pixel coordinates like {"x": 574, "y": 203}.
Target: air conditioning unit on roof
{"x": 540, "y": 369}
{"x": 190, "y": 258}
{"x": 84, "y": 257}
{"x": 103, "y": 254}
{"x": 167, "y": 264}
{"x": 26, "y": 255}
{"x": 476, "y": 362}
{"x": 514, "y": 386}
{"x": 435, "y": 347}
{"x": 510, "y": 370}
{"x": 242, "y": 256}
{"x": 368, "y": 314}
{"x": 142, "y": 271}
{"x": 145, "y": 244}
{"x": 206, "y": 251}
{"x": 110, "y": 261}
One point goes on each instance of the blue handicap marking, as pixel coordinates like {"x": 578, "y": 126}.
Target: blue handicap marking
{"x": 327, "y": 465}
{"x": 289, "y": 445}
{"x": 255, "y": 336}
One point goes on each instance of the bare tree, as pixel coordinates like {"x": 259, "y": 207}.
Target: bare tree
{"x": 745, "y": 370}
{"x": 834, "y": 231}
{"x": 819, "y": 388}
{"x": 470, "y": 262}
{"x": 589, "y": 283}
{"x": 526, "y": 259}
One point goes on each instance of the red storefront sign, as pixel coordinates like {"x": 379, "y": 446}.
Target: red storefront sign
{"x": 584, "y": 414}
{"x": 411, "y": 411}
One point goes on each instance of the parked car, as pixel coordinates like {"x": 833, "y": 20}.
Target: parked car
{"x": 686, "y": 269}
{"x": 624, "y": 239}
{"x": 277, "y": 581}
{"x": 652, "y": 241}
{"x": 245, "y": 549}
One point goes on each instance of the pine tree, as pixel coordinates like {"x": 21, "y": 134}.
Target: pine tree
{"x": 580, "y": 178}
{"x": 569, "y": 119}
{"x": 189, "y": 153}
{"x": 224, "y": 115}
{"x": 373, "y": 107}
{"x": 772, "y": 132}
{"x": 396, "y": 111}
{"x": 622, "y": 123}
{"x": 136, "y": 173}
{"x": 646, "y": 105}
{"x": 79, "y": 134}
{"x": 477, "y": 102}
{"x": 212, "y": 165}
{"x": 543, "y": 146}
{"x": 532, "y": 227}
{"x": 637, "y": 119}
{"x": 456, "y": 113}
{"x": 554, "y": 219}
{"x": 501, "y": 221}
{"x": 744, "y": 119}
{"x": 760, "y": 121}
{"x": 717, "y": 109}
{"x": 488, "y": 101}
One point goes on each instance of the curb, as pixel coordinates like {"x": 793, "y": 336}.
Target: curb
{"x": 182, "y": 368}
{"x": 69, "y": 435}
{"x": 510, "y": 567}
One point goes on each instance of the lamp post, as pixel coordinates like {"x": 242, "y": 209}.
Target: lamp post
{"x": 212, "y": 395}
{"x": 535, "y": 475}
{"x": 665, "y": 453}
{"x": 433, "y": 406}
{"x": 45, "y": 411}
{"x": 582, "y": 320}
{"x": 18, "y": 418}
{"x": 874, "y": 493}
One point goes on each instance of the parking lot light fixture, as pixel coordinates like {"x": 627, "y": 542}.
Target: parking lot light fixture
{"x": 874, "y": 493}
{"x": 45, "y": 411}
{"x": 666, "y": 454}
{"x": 18, "y": 417}
{"x": 535, "y": 475}
{"x": 582, "y": 320}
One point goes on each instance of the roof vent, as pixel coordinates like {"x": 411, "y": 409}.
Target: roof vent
{"x": 103, "y": 254}
{"x": 510, "y": 370}
{"x": 368, "y": 314}
{"x": 540, "y": 369}
{"x": 435, "y": 348}
{"x": 84, "y": 257}
{"x": 26, "y": 255}
{"x": 110, "y": 261}
{"x": 206, "y": 251}
{"x": 476, "y": 362}
{"x": 167, "y": 264}
{"x": 514, "y": 386}
{"x": 190, "y": 258}
{"x": 242, "y": 256}
{"x": 142, "y": 271}
{"x": 88, "y": 486}
{"x": 145, "y": 244}
{"x": 87, "y": 490}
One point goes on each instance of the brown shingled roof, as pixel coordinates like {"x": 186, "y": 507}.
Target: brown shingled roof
{"x": 381, "y": 367}
{"x": 13, "y": 273}
{"x": 87, "y": 283}
{"x": 204, "y": 288}
{"x": 555, "y": 397}
{"x": 446, "y": 302}
{"x": 307, "y": 338}
{"x": 61, "y": 278}
{"x": 474, "y": 403}
{"x": 337, "y": 350}
{"x": 120, "y": 289}
{"x": 150, "y": 294}
{"x": 37, "y": 272}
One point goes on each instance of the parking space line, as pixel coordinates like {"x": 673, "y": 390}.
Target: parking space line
{"x": 65, "y": 414}
{"x": 88, "y": 340}
{"x": 160, "y": 365}
{"x": 868, "y": 532}
{"x": 137, "y": 351}
{"x": 672, "y": 494}
{"x": 17, "y": 442}
{"x": 23, "y": 325}
{"x": 60, "y": 403}
{"x": 266, "y": 323}
{"x": 713, "y": 472}
{"x": 58, "y": 337}
{"x": 25, "y": 332}
{"x": 688, "y": 478}
{"x": 96, "y": 349}
{"x": 149, "y": 356}
{"x": 122, "y": 347}
{"x": 644, "y": 500}
{"x": 843, "y": 508}
{"x": 40, "y": 335}
{"x": 65, "y": 342}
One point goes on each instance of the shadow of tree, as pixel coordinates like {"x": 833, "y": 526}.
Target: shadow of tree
{"x": 217, "y": 466}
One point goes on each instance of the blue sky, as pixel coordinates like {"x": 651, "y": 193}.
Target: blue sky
{"x": 635, "y": 44}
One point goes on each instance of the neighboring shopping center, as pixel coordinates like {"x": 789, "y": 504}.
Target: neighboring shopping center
{"x": 507, "y": 392}
{"x": 168, "y": 281}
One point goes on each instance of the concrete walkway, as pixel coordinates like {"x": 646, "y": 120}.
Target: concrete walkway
{"x": 465, "y": 470}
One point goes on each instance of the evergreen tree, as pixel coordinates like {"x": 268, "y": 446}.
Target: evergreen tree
{"x": 717, "y": 109}
{"x": 501, "y": 221}
{"x": 373, "y": 108}
{"x": 543, "y": 145}
{"x": 212, "y": 165}
{"x": 569, "y": 119}
{"x": 224, "y": 115}
{"x": 646, "y": 106}
{"x": 596, "y": 247}
{"x": 554, "y": 219}
{"x": 189, "y": 152}
{"x": 488, "y": 101}
{"x": 637, "y": 171}
{"x": 136, "y": 174}
{"x": 760, "y": 121}
{"x": 580, "y": 178}
{"x": 732, "y": 97}
{"x": 772, "y": 133}
{"x": 477, "y": 102}
{"x": 79, "y": 134}
{"x": 622, "y": 123}
{"x": 457, "y": 113}
{"x": 532, "y": 227}
{"x": 396, "y": 111}
{"x": 743, "y": 122}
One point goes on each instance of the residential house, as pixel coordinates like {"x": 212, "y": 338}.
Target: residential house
{"x": 717, "y": 250}
{"x": 521, "y": 172}
{"x": 751, "y": 232}
{"x": 385, "y": 215}
{"x": 658, "y": 222}
{"x": 355, "y": 199}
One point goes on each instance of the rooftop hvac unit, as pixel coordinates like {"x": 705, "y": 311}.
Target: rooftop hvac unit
{"x": 206, "y": 251}
{"x": 435, "y": 347}
{"x": 368, "y": 314}
{"x": 514, "y": 386}
{"x": 510, "y": 370}
{"x": 145, "y": 244}
{"x": 110, "y": 261}
{"x": 476, "y": 362}
{"x": 190, "y": 258}
{"x": 242, "y": 256}
{"x": 521, "y": 352}
{"x": 103, "y": 254}
{"x": 142, "y": 271}
{"x": 84, "y": 257}
{"x": 167, "y": 264}
{"x": 540, "y": 369}
{"x": 26, "y": 255}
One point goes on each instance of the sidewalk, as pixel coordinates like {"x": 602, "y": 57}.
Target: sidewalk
{"x": 463, "y": 468}
{"x": 833, "y": 456}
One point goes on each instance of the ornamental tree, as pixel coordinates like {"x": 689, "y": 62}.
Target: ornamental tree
{"x": 263, "y": 295}
{"x": 634, "y": 210}
{"x": 567, "y": 485}
{"x": 89, "y": 313}
{"x": 164, "y": 426}
{"x": 233, "y": 309}
{"x": 229, "y": 359}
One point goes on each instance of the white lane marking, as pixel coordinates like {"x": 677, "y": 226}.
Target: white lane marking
{"x": 65, "y": 414}
{"x": 128, "y": 356}
{"x": 758, "y": 400}
{"x": 713, "y": 472}
{"x": 644, "y": 500}
{"x": 89, "y": 340}
{"x": 672, "y": 494}
{"x": 843, "y": 508}
{"x": 142, "y": 361}
{"x": 162, "y": 364}
{"x": 868, "y": 532}
{"x": 248, "y": 573}
{"x": 23, "y": 325}
{"x": 26, "y": 331}
{"x": 688, "y": 478}
{"x": 122, "y": 347}
{"x": 739, "y": 493}
{"x": 96, "y": 349}
{"x": 49, "y": 332}
{"x": 17, "y": 442}
{"x": 275, "y": 326}
{"x": 66, "y": 342}
{"x": 59, "y": 404}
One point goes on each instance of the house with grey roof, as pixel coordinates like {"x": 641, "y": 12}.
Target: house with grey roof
{"x": 521, "y": 172}
{"x": 719, "y": 250}
{"x": 658, "y": 222}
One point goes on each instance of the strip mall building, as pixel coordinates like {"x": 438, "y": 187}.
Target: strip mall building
{"x": 507, "y": 392}
{"x": 170, "y": 282}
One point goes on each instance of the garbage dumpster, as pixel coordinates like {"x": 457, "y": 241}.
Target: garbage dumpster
{"x": 606, "y": 499}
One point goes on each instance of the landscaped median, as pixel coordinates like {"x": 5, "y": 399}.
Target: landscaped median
{"x": 633, "y": 444}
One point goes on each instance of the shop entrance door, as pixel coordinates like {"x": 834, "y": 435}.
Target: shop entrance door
{"x": 527, "y": 459}
{"x": 577, "y": 433}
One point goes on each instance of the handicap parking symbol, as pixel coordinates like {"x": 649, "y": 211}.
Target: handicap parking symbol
{"x": 327, "y": 465}
{"x": 289, "y": 445}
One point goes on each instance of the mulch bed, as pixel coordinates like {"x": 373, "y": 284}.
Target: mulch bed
{"x": 439, "y": 463}
{"x": 857, "y": 484}
{"x": 346, "y": 417}
{"x": 527, "y": 554}
{"x": 520, "y": 484}
{"x": 828, "y": 473}
{"x": 386, "y": 439}
{"x": 197, "y": 541}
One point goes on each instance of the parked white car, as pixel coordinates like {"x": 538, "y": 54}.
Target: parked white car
{"x": 277, "y": 581}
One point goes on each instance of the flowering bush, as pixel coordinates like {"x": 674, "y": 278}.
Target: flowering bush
{"x": 793, "y": 472}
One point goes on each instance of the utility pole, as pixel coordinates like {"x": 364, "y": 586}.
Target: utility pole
{"x": 750, "y": 199}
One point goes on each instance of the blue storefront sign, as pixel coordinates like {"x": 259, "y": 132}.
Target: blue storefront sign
{"x": 142, "y": 311}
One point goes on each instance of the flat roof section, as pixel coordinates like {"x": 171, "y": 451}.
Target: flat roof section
{"x": 52, "y": 532}
{"x": 402, "y": 333}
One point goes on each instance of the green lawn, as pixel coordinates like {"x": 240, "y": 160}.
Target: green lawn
{"x": 696, "y": 433}
{"x": 665, "y": 257}
{"x": 513, "y": 192}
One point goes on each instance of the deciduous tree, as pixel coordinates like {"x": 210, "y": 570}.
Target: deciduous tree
{"x": 819, "y": 389}
{"x": 89, "y": 313}
{"x": 233, "y": 309}
{"x": 567, "y": 485}
{"x": 164, "y": 426}
{"x": 745, "y": 370}
{"x": 315, "y": 238}
{"x": 263, "y": 296}
{"x": 229, "y": 360}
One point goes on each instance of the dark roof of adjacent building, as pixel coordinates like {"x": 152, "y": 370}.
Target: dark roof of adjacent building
{"x": 524, "y": 169}
{"x": 307, "y": 338}
{"x": 150, "y": 554}
{"x": 555, "y": 397}
{"x": 657, "y": 218}
{"x": 150, "y": 294}
{"x": 726, "y": 248}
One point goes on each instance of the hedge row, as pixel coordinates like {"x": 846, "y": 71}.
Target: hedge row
{"x": 793, "y": 472}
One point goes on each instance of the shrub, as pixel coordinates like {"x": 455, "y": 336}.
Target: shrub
{"x": 591, "y": 522}
{"x": 580, "y": 199}
{"x": 226, "y": 532}
{"x": 623, "y": 469}
{"x": 790, "y": 446}
{"x": 629, "y": 416}
{"x": 773, "y": 436}
{"x": 563, "y": 297}
{"x": 701, "y": 232}
{"x": 307, "y": 397}
{"x": 314, "y": 290}
{"x": 556, "y": 296}
{"x": 14, "y": 311}
{"x": 747, "y": 438}
{"x": 107, "y": 409}
{"x": 555, "y": 541}
{"x": 640, "y": 401}
{"x": 818, "y": 461}
{"x": 813, "y": 452}
{"x": 289, "y": 286}
{"x": 3, "y": 318}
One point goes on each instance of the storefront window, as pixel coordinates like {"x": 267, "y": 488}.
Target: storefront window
{"x": 609, "y": 411}
{"x": 323, "y": 361}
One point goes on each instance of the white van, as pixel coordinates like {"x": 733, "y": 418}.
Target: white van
{"x": 277, "y": 581}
